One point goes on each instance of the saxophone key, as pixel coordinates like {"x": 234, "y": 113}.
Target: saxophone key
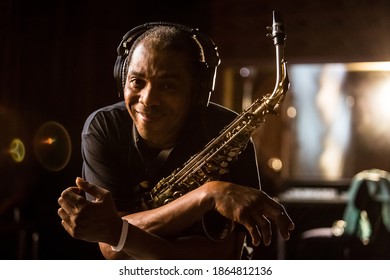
{"x": 224, "y": 164}
{"x": 177, "y": 194}
{"x": 166, "y": 201}
{"x": 232, "y": 154}
{"x": 210, "y": 168}
{"x": 223, "y": 171}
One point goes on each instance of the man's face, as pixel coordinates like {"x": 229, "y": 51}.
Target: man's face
{"x": 158, "y": 94}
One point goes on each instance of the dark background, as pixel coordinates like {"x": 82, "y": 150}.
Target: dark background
{"x": 56, "y": 64}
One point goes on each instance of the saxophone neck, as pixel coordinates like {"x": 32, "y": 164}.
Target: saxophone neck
{"x": 282, "y": 83}
{"x": 271, "y": 102}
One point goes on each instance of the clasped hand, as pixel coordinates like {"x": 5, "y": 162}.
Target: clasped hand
{"x": 91, "y": 221}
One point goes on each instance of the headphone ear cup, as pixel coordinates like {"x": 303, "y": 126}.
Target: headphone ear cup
{"x": 118, "y": 70}
{"x": 122, "y": 55}
{"x": 211, "y": 63}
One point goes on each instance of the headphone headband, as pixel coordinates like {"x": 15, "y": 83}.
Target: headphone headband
{"x": 210, "y": 50}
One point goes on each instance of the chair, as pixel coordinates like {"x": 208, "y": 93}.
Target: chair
{"x": 364, "y": 230}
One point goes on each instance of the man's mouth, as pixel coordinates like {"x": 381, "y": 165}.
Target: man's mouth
{"x": 148, "y": 115}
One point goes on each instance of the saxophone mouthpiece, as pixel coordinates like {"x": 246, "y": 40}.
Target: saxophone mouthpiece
{"x": 278, "y": 29}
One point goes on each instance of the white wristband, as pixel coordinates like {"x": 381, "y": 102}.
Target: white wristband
{"x": 122, "y": 239}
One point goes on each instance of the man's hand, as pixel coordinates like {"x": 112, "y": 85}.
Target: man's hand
{"x": 93, "y": 221}
{"x": 252, "y": 208}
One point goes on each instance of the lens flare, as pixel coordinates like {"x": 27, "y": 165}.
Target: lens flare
{"x": 48, "y": 141}
{"x": 52, "y": 146}
{"x": 17, "y": 150}
{"x": 12, "y": 131}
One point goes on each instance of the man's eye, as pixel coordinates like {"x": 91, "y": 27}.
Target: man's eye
{"x": 168, "y": 86}
{"x": 136, "y": 83}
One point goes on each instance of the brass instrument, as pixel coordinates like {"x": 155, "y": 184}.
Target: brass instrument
{"x": 214, "y": 159}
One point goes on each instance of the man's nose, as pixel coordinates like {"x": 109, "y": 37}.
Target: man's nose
{"x": 149, "y": 96}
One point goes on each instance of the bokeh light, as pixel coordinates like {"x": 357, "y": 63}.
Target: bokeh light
{"x": 12, "y": 131}
{"x": 52, "y": 146}
{"x": 17, "y": 150}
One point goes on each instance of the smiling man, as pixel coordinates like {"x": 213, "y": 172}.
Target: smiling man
{"x": 166, "y": 73}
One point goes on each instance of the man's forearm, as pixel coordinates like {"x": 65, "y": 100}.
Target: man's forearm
{"x": 173, "y": 218}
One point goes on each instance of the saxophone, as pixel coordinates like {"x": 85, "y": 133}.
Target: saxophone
{"x": 214, "y": 159}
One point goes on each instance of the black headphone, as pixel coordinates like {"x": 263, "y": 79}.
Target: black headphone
{"x": 210, "y": 51}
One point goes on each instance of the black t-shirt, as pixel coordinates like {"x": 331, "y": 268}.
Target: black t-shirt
{"x": 113, "y": 160}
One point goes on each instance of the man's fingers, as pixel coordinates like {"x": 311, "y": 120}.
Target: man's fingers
{"x": 62, "y": 213}
{"x": 285, "y": 225}
{"x": 278, "y": 214}
{"x": 255, "y": 234}
{"x": 264, "y": 226}
{"x": 65, "y": 218}
{"x": 65, "y": 206}
{"x": 259, "y": 228}
{"x": 70, "y": 198}
{"x": 90, "y": 188}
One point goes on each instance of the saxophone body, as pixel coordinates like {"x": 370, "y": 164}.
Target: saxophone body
{"x": 214, "y": 160}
